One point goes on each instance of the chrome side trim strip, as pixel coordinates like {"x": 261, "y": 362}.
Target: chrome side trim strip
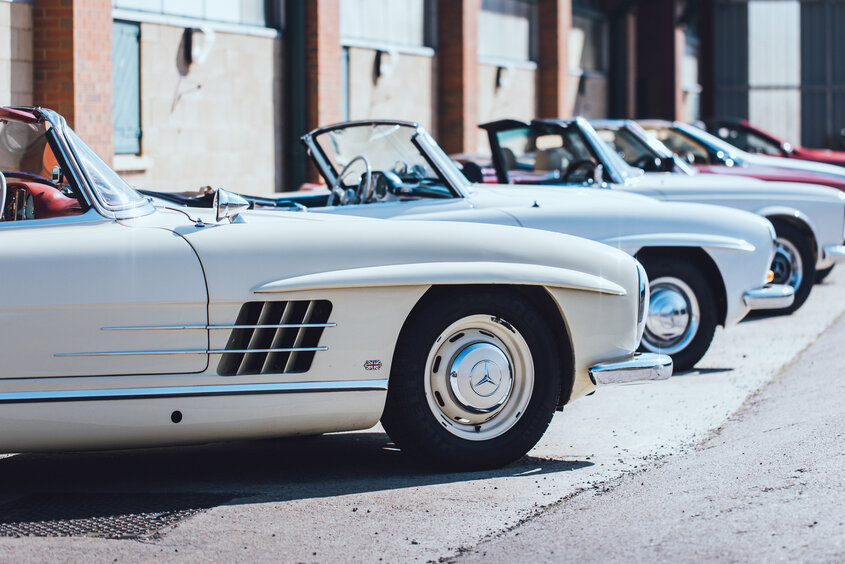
{"x": 636, "y": 368}
{"x": 216, "y": 327}
{"x": 190, "y": 351}
{"x": 194, "y": 391}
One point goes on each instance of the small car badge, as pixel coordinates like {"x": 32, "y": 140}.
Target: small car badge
{"x": 372, "y": 365}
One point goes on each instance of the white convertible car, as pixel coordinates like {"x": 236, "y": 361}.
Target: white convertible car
{"x": 809, "y": 220}
{"x": 127, "y": 325}
{"x": 707, "y": 265}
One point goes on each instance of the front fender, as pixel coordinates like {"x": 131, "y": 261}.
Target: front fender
{"x": 786, "y": 211}
{"x": 432, "y": 273}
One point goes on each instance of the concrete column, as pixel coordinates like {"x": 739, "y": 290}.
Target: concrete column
{"x": 457, "y": 74}
{"x": 72, "y": 51}
{"x": 660, "y": 49}
{"x": 554, "y": 18}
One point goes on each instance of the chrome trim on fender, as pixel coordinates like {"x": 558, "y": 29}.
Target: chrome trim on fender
{"x": 637, "y": 368}
{"x": 216, "y": 327}
{"x": 192, "y": 351}
{"x": 835, "y": 252}
{"x": 194, "y": 391}
{"x": 773, "y": 296}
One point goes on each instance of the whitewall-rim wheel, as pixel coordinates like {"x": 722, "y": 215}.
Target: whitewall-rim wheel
{"x": 787, "y": 265}
{"x": 673, "y": 316}
{"x": 479, "y": 377}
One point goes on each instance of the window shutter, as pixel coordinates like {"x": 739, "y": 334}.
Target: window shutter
{"x": 126, "y": 74}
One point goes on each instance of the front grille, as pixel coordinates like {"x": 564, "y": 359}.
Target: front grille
{"x": 275, "y": 337}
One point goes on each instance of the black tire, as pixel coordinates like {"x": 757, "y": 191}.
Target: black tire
{"x": 791, "y": 244}
{"x": 679, "y": 287}
{"x": 422, "y": 423}
{"x": 822, "y": 274}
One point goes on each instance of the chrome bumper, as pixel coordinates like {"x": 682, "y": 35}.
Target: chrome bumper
{"x": 774, "y": 296}
{"x": 836, "y": 253}
{"x": 639, "y": 367}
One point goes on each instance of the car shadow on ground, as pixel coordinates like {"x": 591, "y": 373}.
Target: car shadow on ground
{"x": 244, "y": 472}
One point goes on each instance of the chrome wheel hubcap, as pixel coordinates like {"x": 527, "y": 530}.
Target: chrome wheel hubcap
{"x": 479, "y": 377}
{"x": 673, "y": 316}
{"x": 786, "y": 264}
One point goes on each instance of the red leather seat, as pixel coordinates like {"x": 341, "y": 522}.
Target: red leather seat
{"x": 48, "y": 201}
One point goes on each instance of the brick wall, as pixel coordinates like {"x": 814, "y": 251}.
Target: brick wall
{"x": 322, "y": 62}
{"x": 457, "y": 74}
{"x": 217, "y": 125}
{"x": 554, "y": 19}
{"x": 72, "y": 66}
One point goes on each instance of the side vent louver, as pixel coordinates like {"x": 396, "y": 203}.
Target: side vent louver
{"x": 275, "y": 337}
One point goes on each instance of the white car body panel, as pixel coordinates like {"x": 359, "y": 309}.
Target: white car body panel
{"x": 820, "y": 208}
{"x": 739, "y": 243}
{"x": 37, "y": 414}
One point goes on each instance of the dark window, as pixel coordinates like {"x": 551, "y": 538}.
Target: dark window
{"x": 126, "y": 75}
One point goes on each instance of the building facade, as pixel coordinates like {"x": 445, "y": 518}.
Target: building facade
{"x": 179, "y": 94}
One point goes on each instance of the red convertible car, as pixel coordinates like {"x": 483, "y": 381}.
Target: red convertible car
{"x": 740, "y": 133}
{"x": 711, "y": 155}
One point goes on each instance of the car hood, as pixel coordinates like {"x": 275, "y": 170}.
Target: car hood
{"x": 828, "y": 155}
{"x": 272, "y": 246}
{"x": 725, "y": 185}
{"x": 794, "y": 164}
{"x": 623, "y": 219}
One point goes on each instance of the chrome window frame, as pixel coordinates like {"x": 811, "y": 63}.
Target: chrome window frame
{"x": 452, "y": 178}
{"x": 83, "y": 181}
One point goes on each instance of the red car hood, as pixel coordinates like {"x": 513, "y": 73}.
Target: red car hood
{"x": 775, "y": 174}
{"x": 820, "y": 155}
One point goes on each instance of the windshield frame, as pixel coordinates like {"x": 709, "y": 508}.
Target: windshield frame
{"x": 651, "y": 143}
{"x": 620, "y": 171}
{"x": 68, "y": 154}
{"x": 441, "y": 164}
{"x": 721, "y": 149}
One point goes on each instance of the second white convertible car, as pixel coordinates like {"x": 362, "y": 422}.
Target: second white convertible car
{"x": 808, "y": 220}
{"x": 707, "y": 265}
{"x": 129, "y": 325}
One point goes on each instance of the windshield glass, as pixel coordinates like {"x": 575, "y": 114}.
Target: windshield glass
{"x": 546, "y": 155}
{"x": 24, "y": 148}
{"x": 388, "y": 148}
{"x": 109, "y": 187}
{"x": 639, "y": 149}
{"x": 748, "y": 140}
{"x": 717, "y": 145}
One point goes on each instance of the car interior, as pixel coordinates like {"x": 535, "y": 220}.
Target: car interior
{"x": 533, "y": 156}
{"x": 32, "y": 184}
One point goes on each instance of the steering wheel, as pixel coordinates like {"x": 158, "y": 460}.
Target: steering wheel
{"x": 2, "y": 194}
{"x": 340, "y": 197}
{"x": 578, "y": 165}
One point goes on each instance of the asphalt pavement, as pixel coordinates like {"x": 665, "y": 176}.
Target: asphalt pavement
{"x": 767, "y": 486}
{"x": 353, "y": 497}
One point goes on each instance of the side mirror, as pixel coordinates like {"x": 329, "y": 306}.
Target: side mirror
{"x": 57, "y": 175}
{"x": 228, "y": 205}
{"x": 786, "y": 147}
